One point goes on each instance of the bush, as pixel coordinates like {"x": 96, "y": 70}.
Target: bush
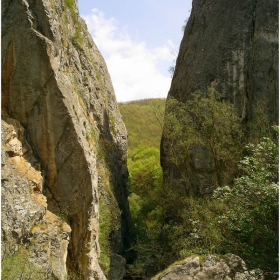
{"x": 241, "y": 219}
{"x": 206, "y": 125}
{"x": 251, "y": 220}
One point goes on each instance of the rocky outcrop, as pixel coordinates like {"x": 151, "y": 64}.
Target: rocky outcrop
{"x": 232, "y": 47}
{"x": 229, "y": 267}
{"x": 56, "y": 86}
{"x": 25, "y": 219}
{"x": 118, "y": 267}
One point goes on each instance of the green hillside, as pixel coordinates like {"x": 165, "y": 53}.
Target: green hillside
{"x": 143, "y": 120}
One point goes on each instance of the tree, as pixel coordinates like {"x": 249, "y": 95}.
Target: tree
{"x": 251, "y": 219}
{"x": 260, "y": 125}
{"x": 205, "y": 124}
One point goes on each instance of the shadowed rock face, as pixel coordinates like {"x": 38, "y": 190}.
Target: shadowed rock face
{"x": 55, "y": 83}
{"x": 231, "y": 46}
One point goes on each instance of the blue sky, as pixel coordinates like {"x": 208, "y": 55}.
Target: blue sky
{"x": 139, "y": 40}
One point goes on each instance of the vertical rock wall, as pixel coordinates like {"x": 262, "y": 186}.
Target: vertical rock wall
{"x": 233, "y": 47}
{"x": 55, "y": 83}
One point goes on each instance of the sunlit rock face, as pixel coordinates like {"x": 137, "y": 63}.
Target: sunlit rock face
{"x": 231, "y": 46}
{"x": 56, "y": 87}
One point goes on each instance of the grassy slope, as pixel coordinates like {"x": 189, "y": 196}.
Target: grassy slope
{"x": 140, "y": 118}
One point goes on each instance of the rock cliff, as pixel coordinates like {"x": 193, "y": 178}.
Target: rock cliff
{"x": 65, "y": 145}
{"x": 231, "y": 46}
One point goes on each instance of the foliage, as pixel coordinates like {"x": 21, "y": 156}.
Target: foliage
{"x": 184, "y": 226}
{"x": 198, "y": 125}
{"x": 242, "y": 219}
{"x": 72, "y": 276}
{"x": 260, "y": 125}
{"x": 167, "y": 225}
{"x": 70, "y": 4}
{"x": 104, "y": 236}
{"x": 251, "y": 219}
{"x": 145, "y": 182}
{"x": 185, "y": 24}
{"x": 109, "y": 213}
{"x": 77, "y": 38}
{"x": 143, "y": 120}
{"x": 171, "y": 70}
{"x": 144, "y": 170}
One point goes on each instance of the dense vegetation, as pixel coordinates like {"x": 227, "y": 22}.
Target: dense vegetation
{"x": 208, "y": 126}
{"x": 143, "y": 119}
{"x": 169, "y": 222}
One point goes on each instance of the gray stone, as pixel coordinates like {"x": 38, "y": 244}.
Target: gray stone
{"x": 232, "y": 47}
{"x": 55, "y": 83}
{"x": 117, "y": 267}
{"x": 215, "y": 268}
{"x": 24, "y": 218}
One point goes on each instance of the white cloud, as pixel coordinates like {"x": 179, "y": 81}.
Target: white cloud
{"x": 132, "y": 65}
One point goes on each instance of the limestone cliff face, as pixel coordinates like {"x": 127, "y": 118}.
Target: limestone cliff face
{"x": 56, "y": 86}
{"x": 231, "y": 46}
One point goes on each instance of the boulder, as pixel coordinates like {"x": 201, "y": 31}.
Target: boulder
{"x": 229, "y": 267}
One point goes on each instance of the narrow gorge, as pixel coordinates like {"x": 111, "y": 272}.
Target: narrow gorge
{"x": 71, "y": 209}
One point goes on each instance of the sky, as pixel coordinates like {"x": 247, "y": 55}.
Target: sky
{"x": 139, "y": 40}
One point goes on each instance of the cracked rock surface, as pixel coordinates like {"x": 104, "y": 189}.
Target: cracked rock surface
{"x": 56, "y": 85}
{"x": 24, "y": 216}
{"x": 232, "y": 47}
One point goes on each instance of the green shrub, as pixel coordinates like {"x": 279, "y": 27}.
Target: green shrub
{"x": 70, "y": 4}
{"x": 168, "y": 224}
{"x": 205, "y": 123}
{"x": 251, "y": 221}
{"x": 77, "y": 39}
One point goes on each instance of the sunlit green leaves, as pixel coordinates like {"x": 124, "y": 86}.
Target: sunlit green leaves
{"x": 252, "y": 214}
{"x": 206, "y": 122}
